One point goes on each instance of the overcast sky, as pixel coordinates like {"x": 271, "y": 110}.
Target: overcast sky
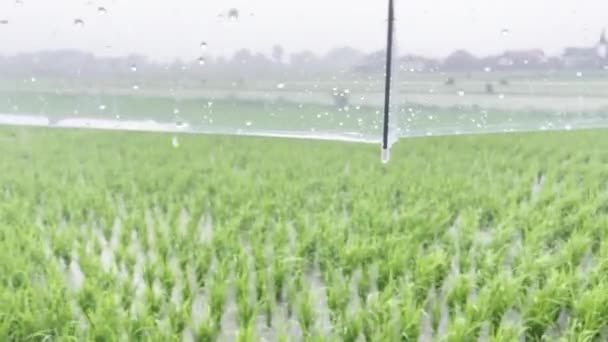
{"x": 165, "y": 29}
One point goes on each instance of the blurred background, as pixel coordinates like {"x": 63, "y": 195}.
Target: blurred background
{"x": 306, "y": 69}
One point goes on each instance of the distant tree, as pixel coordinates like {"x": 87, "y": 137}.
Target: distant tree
{"x": 242, "y": 56}
{"x": 302, "y": 58}
{"x": 277, "y": 54}
{"x": 461, "y": 60}
{"x": 342, "y": 59}
{"x": 373, "y": 62}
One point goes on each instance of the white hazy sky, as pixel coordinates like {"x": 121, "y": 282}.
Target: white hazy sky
{"x": 165, "y": 29}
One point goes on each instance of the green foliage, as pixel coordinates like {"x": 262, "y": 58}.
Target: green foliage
{"x": 121, "y": 236}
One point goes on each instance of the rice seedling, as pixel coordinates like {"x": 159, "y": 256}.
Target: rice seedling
{"x": 121, "y": 236}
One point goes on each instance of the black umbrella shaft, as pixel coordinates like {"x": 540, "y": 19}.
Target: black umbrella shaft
{"x": 389, "y": 71}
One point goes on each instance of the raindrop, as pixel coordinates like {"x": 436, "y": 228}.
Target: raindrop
{"x": 341, "y": 124}
{"x": 201, "y": 61}
{"x": 18, "y": 3}
{"x": 33, "y": 79}
{"x": 248, "y": 123}
{"x": 210, "y": 104}
{"x": 568, "y": 127}
{"x": 487, "y": 69}
{"x": 102, "y": 10}
{"x": 102, "y": 107}
{"x": 175, "y": 142}
{"x": 175, "y": 111}
{"x": 505, "y": 32}
{"x": 135, "y": 87}
{"x": 579, "y": 74}
{"x": 233, "y": 14}
{"x": 79, "y": 22}
{"x": 281, "y": 85}
{"x": 203, "y": 45}
{"x": 118, "y": 116}
{"x": 133, "y": 67}
{"x": 501, "y": 96}
{"x": 461, "y": 93}
{"x": 3, "y": 22}
{"x": 319, "y": 116}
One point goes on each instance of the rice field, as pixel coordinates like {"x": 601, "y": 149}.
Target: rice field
{"x": 115, "y": 236}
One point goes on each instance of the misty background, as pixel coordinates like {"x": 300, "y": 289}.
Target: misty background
{"x": 468, "y": 66}
{"x": 165, "y": 30}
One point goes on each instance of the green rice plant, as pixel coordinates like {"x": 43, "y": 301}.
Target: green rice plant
{"x": 492, "y": 226}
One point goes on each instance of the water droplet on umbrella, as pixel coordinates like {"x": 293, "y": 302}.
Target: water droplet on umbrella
{"x": 133, "y": 67}
{"x": 281, "y": 85}
{"x": 505, "y": 32}
{"x": 201, "y": 61}
{"x": 461, "y": 93}
{"x": 248, "y": 123}
{"x": 233, "y": 14}
{"x": 203, "y": 45}
{"x": 79, "y": 22}
{"x": 102, "y": 10}
{"x": 102, "y": 107}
